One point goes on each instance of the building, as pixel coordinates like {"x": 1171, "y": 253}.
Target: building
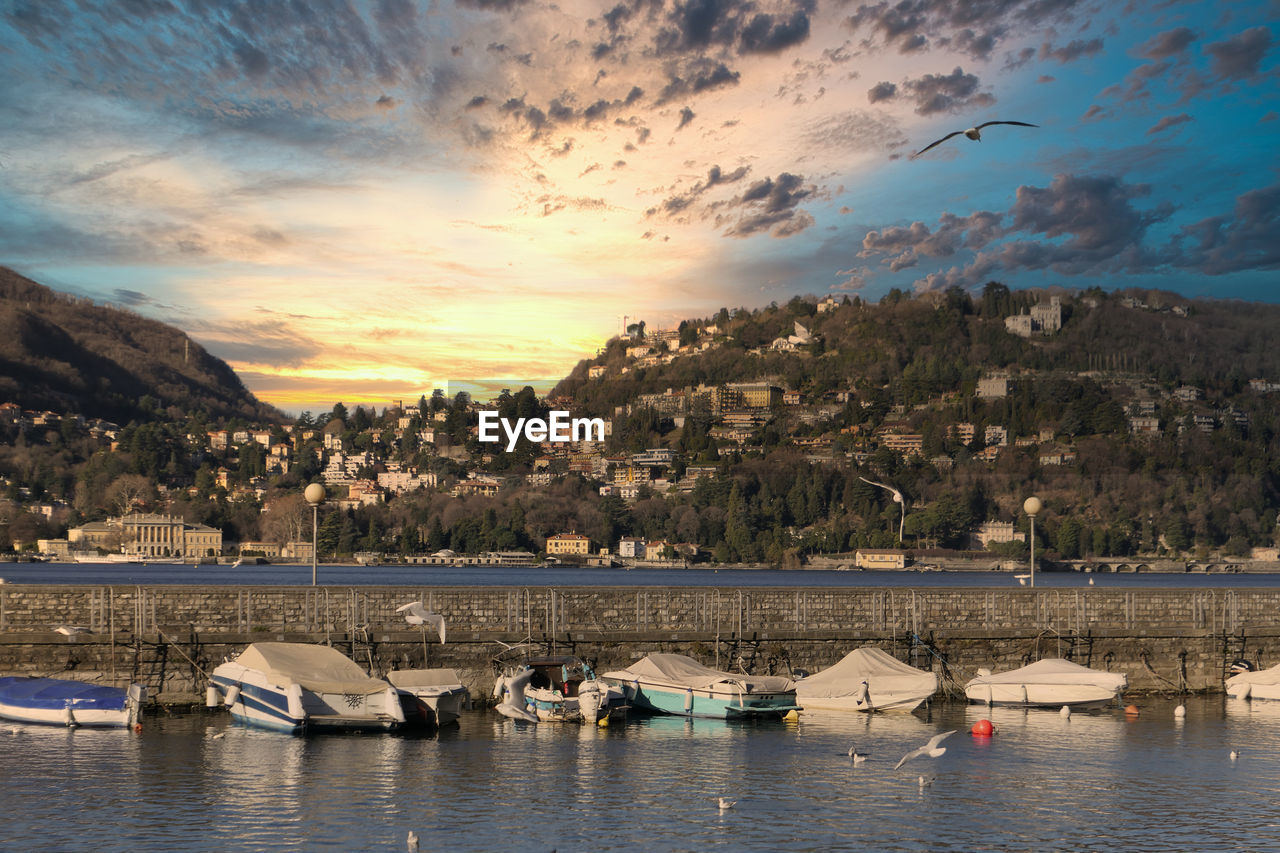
{"x": 630, "y": 546}
{"x": 144, "y": 535}
{"x": 568, "y": 543}
{"x": 998, "y": 531}
{"x": 880, "y": 558}
{"x": 994, "y": 387}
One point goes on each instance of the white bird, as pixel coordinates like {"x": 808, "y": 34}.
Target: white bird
{"x": 1180, "y": 711}
{"x": 416, "y": 614}
{"x": 218, "y": 736}
{"x": 1065, "y": 712}
{"x": 413, "y": 840}
{"x": 71, "y": 630}
{"x": 973, "y": 133}
{"x": 858, "y": 757}
{"x": 1234, "y": 755}
{"x": 726, "y": 803}
{"x": 1090, "y": 581}
{"x": 930, "y": 749}
{"x": 513, "y": 705}
{"x": 14, "y": 730}
{"x": 926, "y": 781}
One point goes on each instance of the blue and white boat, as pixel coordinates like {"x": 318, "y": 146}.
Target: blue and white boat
{"x": 299, "y": 687}
{"x": 677, "y": 684}
{"x": 561, "y": 688}
{"x": 61, "y": 702}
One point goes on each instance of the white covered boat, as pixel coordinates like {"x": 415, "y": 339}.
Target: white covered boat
{"x": 866, "y": 679}
{"x": 62, "y": 702}
{"x": 1050, "y": 683}
{"x": 436, "y": 696}
{"x": 677, "y": 684}
{"x": 1264, "y": 684}
{"x": 299, "y": 687}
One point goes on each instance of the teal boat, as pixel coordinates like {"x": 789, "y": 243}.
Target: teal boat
{"x": 677, "y": 684}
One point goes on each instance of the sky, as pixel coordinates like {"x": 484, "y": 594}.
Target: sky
{"x": 363, "y": 201}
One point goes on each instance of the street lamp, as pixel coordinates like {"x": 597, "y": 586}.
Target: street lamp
{"x": 1032, "y": 506}
{"x": 314, "y": 494}
{"x": 897, "y": 498}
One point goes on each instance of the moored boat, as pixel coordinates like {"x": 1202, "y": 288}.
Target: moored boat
{"x": 866, "y": 679}
{"x": 1049, "y": 683}
{"x": 561, "y": 688}
{"x": 298, "y": 687}
{"x": 62, "y": 702}
{"x": 1248, "y": 684}
{"x": 677, "y": 684}
{"x": 434, "y": 696}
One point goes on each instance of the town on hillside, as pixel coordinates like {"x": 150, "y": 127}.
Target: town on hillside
{"x": 824, "y": 432}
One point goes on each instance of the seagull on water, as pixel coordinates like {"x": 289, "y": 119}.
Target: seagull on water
{"x": 858, "y": 757}
{"x": 726, "y": 803}
{"x": 412, "y": 841}
{"x": 974, "y": 133}
{"x": 926, "y": 781}
{"x": 931, "y": 749}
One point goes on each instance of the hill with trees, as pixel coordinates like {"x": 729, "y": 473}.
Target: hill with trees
{"x": 70, "y": 355}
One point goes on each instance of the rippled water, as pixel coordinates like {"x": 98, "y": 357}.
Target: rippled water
{"x": 1097, "y": 781}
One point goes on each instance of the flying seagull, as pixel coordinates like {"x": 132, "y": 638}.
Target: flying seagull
{"x": 930, "y": 749}
{"x": 416, "y": 614}
{"x": 974, "y": 133}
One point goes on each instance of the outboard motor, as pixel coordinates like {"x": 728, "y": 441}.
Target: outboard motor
{"x": 1240, "y": 665}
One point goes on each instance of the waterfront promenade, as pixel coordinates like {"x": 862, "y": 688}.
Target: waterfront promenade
{"x": 1165, "y": 639}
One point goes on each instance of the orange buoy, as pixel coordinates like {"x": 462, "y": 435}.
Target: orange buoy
{"x": 982, "y": 728}
{"x": 1131, "y": 710}
{"x": 137, "y": 727}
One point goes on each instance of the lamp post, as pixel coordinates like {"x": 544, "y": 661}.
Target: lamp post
{"x": 1032, "y": 506}
{"x": 314, "y": 494}
{"x": 897, "y": 498}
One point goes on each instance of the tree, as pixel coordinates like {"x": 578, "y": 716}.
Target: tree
{"x": 129, "y": 492}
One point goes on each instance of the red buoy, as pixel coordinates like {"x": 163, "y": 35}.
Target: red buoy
{"x": 1131, "y": 710}
{"x": 982, "y": 728}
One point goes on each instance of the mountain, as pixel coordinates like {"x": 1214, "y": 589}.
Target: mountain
{"x": 67, "y": 354}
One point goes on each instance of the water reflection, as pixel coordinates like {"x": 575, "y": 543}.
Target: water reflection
{"x": 1091, "y": 781}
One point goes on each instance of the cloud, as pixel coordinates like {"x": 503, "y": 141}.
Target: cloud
{"x": 686, "y": 116}
{"x": 973, "y": 28}
{"x": 1238, "y": 58}
{"x": 768, "y": 203}
{"x": 946, "y": 93}
{"x": 884, "y": 91}
{"x": 1168, "y": 122}
{"x": 1072, "y": 51}
{"x": 1168, "y": 43}
{"x": 767, "y": 34}
{"x": 1077, "y": 224}
{"x": 679, "y": 203}
{"x": 1249, "y": 239}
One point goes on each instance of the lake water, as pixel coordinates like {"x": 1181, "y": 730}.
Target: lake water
{"x": 562, "y": 576}
{"x": 1100, "y": 781}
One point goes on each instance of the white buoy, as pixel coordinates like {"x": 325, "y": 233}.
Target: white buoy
{"x": 211, "y": 697}
{"x": 1180, "y": 711}
{"x": 69, "y": 718}
{"x": 233, "y": 694}
{"x": 1066, "y": 711}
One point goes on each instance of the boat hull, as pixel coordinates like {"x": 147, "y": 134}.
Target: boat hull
{"x": 903, "y": 703}
{"x": 254, "y": 700}
{"x": 711, "y": 703}
{"x": 1042, "y": 695}
{"x": 59, "y": 702}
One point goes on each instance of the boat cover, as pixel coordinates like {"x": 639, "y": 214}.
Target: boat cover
{"x": 57, "y": 693}
{"x": 687, "y": 672}
{"x": 888, "y": 675}
{"x": 1265, "y": 676}
{"x": 407, "y": 679}
{"x": 1054, "y": 671}
{"x": 319, "y": 669}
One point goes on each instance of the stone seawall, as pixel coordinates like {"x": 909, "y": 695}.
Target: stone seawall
{"x": 171, "y": 636}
